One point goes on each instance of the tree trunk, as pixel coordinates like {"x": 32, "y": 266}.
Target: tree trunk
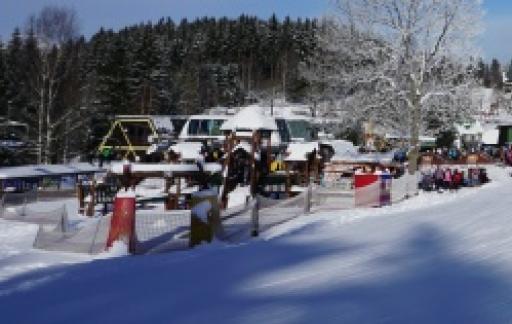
{"x": 40, "y": 122}
{"x": 415, "y": 130}
{"x": 49, "y": 132}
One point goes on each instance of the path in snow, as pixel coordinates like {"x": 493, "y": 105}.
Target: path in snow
{"x": 433, "y": 259}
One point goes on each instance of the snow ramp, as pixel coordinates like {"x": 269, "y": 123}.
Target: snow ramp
{"x": 90, "y": 238}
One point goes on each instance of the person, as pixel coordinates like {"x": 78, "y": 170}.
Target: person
{"x": 483, "y": 176}
{"x": 509, "y": 156}
{"x": 447, "y": 178}
{"x": 457, "y": 179}
{"x": 452, "y": 153}
{"x": 427, "y": 181}
{"x": 439, "y": 176}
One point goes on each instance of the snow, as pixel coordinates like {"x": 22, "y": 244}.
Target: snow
{"x": 238, "y": 197}
{"x": 483, "y": 98}
{"x": 154, "y": 167}
{"x": 250, "y": 118}
{"x": 356, "y": 157}
{"x": 126, "y": 194}
{"x": 162, "y": 123}
{"x": 491, "y": 136}
{"x": 473, "y": 128}
{"x": 201, "y": 210}
{"x": 39, "y": 170}
{"x": 435, "y": 258}
{"x": 299, "y": 151}
{"x": 341, "y": 146}
{"x": 188, "y": 150}
{"x": 150, "y": 187}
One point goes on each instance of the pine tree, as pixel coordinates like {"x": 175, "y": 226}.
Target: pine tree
{"x": 151, "y": 69}
{"x": 15, "y": 77}
{"x": 3, "y": 82}
{"x": 509, "y": 72}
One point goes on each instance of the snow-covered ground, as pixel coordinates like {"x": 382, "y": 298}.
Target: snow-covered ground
{"x": 436, "y": 258}
{"x": 16, "y": 239}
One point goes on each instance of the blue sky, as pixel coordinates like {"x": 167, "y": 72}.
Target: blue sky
{"x": 497, "y": 40}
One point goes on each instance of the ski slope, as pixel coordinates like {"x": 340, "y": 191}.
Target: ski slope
{"x": 436, "y": 258}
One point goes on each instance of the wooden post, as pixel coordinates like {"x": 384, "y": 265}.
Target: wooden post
{"x": 80, "y": 196}
{"x": 178, "y": 193}
{"x": 307, "y": 172}
{"x": 168, "y": 183}
{"x": 288, "y": 180}
{"x": 228, "y": 147}
{"x": 253, "y": 163}
{"x": 255, "y": 217}
{"x": 307, "y": 200}
{"x": 92, "y": 202}
{"x": 316, "y": 167}
{"x": 269, "y": 153}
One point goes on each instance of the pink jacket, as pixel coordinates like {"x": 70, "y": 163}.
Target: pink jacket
{"x": 448, "y": 176}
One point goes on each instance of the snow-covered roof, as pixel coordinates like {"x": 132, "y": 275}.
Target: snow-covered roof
{"x": 163, "y": 122}
{"x": 421, "y": 138}
{"x": 212, "y": 116}
{"x": 250, "y": 118}
{"x": 473, "y": 128}
{"x": 355, "y": 157}
{"x": 188, "y": 150}
{"x": 491, "y": 136}
{"x": 40, "y": 170}
{"x": 341, "y": 147}
{"x": 117, "y": 168}
{"x": 299, "y": 151}
{"x": 85, "y": 167}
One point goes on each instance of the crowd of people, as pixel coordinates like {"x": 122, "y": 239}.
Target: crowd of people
{"x": 440, "y": 179}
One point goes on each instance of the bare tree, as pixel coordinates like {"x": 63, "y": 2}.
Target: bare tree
{"x": 53, "y": 27}
{"x": 401, "y": 63}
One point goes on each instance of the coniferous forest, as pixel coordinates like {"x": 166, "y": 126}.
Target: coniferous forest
{"x": 66, "y": 90}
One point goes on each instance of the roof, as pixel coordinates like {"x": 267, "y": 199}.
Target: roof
{"x": 163, "y": 122}
{"x": 491, "y": 136}
{"x": 188, "y": 150}
{"x": 300, "y": 151}
{"x": 341, "y": 147}
{"x": 250, "y": 118}
{"x": 41, "y": 170}
{"x": 118, "y": 168}
{"x": 355, "y": 157}
{"x": 469, "y": 128}
{"x": 209, "y": 117}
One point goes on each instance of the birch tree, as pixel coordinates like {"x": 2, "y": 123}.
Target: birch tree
{"x": 405, "y": 64}
{"x": 52, "y": 28}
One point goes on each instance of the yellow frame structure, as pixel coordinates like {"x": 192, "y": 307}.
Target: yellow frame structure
{"x": 130, "y": 148}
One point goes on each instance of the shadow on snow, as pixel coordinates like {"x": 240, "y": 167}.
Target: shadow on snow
{"x": 427, "y": 284}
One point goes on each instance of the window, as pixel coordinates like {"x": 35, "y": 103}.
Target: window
{"x": 205, "y": 127}
{"x": 300, "y": 129}
{"x": 282, "y": 128}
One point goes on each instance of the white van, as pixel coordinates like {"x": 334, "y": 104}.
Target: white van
{"x": 200, "y": 128}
